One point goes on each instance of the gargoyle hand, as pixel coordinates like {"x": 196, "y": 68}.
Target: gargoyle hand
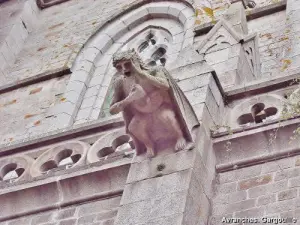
{"x": 137, "y": 92}
{"x": 117, "y": 107}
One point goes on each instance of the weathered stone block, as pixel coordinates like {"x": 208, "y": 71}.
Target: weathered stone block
{"x": 64, "y": 107}
{"x": 88, "y": 102}
{"x": 253, "y": 182}
{"x": 156, "y": 187}
{"x": 173, "y": 163}
{"x": 234, "y": 207}
{"x": 135, "y": 18}
{"x": 294, "y": 182}
{"x": 266, "y": 199}
{"x": 102, "y": 42}
{"x": 289, "y": 173}
{"x": 68, "y": 222}
{"x": 278, "y": 165}
{"x": 281, "y": 206}
{"x": 76, "y": 86}
{"x": 227, "y": 188}
{"x": 80, "y": 75}
{"x": 297, "y": 162}
{"x": 72, "y": 96}
{"x": 91, "y": 53}
{"x": 107, "y": 215}
{"x": 25, "y": 221}
{"x": 250, "y": 213}
{"x": 230, "y": 198}
{"x": 175, "y": 10}
{"x": 65, "y": 213}
{"x": 288, "y": 194}
{"x": 143, "y": 211}
{"x": 197, "y": 96}
{"x": 44, "y": 218}
{"x": 86, "y": 219}
{"x": 194, "y": 82}
{"x": 99, "y": 206}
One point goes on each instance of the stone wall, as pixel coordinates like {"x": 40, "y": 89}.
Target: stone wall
{"x": 60, "y": 184}
{"x": 273, "y": 42}
{"x": 102, "y": 212}
{"x": 59, "y": 35}
{"x": 271, "y": 189}
{"x": 18, "y": 19}
{"x": 22, "y": 110}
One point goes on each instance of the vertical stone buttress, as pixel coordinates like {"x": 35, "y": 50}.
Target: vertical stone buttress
{"x": 230, "y": 50}
{"x": 175, "y": 188}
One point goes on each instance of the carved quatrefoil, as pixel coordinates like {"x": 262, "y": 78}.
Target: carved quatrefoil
{"x": 258, "y": 114}
{"x": 15, "y": 168}
{"x": 60, "y": 157}
{"x": 109, "y": 144}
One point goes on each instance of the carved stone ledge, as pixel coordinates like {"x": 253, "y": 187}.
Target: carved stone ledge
{"x": 261, "y": 86}
{"x": 48, "y": 3}
{"x": 63, "y": 191}
{"x": 257, "y": 160}
{"x": 256, "y": 146}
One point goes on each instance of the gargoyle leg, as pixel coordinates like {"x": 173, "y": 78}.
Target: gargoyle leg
{"x": 138, "y": 127}
{"x": 168, "y": 118}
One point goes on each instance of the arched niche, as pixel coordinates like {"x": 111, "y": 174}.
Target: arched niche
{"x": 171, "y": 24}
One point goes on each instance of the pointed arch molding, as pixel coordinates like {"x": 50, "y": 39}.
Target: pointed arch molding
{"x": 92, "y": 70}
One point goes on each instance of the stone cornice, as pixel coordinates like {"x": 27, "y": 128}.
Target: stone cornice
{"x": 100, "y": 182}
{"x": 260, "y": 144}
{"x": 262, "y": 86}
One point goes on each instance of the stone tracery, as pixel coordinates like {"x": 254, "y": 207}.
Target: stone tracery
{"x": 158, "y": 30}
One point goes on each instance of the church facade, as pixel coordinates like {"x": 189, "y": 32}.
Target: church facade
{"x": 65, "y": 159}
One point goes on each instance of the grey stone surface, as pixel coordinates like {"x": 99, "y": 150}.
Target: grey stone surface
{"x": 187, "y": 191}
{"x": 148, "y": 169}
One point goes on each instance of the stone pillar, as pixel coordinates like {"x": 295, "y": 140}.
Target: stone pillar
{"x": 293, "y": 29}
{"x": 166, "y": 190}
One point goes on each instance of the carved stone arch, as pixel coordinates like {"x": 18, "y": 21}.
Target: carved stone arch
{"x": 90, "y": 70}
{"x": 15, "y": 168}
{"x": 60, "y": 157}
{"x": 109, "y": 144}
{"x": 257, "y": 110}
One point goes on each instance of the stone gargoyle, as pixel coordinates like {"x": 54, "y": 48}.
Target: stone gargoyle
{"x": 154, "y": 108}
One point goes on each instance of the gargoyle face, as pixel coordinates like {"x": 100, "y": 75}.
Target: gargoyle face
{"x": 124, "y": 67}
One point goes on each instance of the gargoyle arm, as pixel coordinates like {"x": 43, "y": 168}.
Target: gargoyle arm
{"x": 159, "y": 80}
